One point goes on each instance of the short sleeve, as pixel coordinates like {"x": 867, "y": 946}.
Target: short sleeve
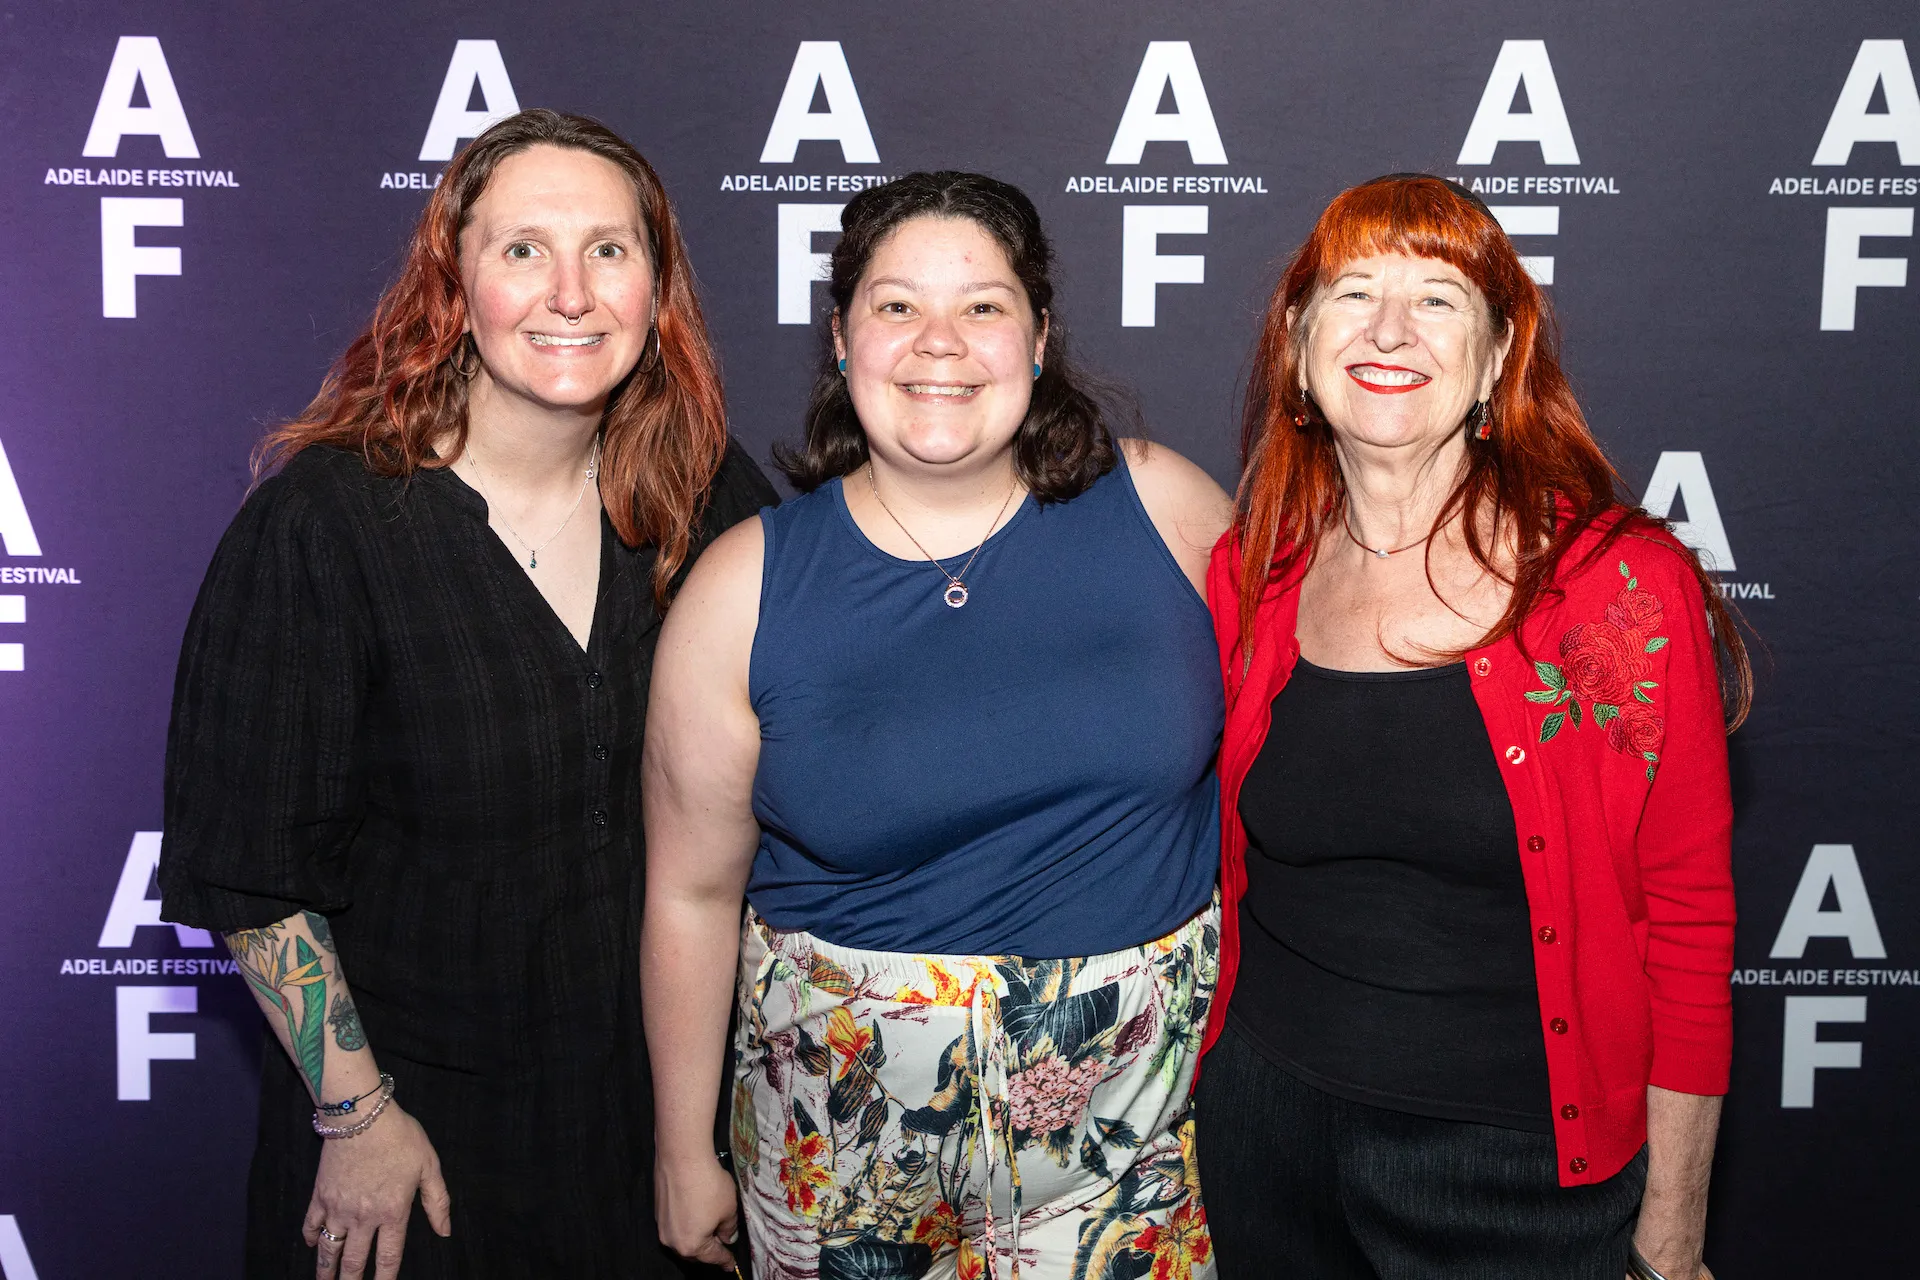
{"x": 263, "y": 786}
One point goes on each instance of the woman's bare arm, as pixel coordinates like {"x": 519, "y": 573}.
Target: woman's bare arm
{"x": 702, "y": 749}
{"x": 1681, "y": 1129}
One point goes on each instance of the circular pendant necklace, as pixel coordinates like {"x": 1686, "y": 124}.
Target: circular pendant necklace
{"x": 1380, "y": 552}
{"x": 533, "y": 553}
{"x": 956, "y": 593}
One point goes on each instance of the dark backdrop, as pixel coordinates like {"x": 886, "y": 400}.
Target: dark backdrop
{"x": 1728, "y": 219}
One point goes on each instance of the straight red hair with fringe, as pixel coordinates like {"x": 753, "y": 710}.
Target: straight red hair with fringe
{"x": 1534, "y": 486}
{"x": 398, "y": 388}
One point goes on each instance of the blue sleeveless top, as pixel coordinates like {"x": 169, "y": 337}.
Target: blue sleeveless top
{"x": 1031, "y": 774}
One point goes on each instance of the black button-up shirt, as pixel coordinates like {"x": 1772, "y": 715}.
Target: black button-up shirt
{"x": 378, "y": 717}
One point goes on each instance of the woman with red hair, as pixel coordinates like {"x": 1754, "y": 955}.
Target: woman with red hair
{"x": 406, "y": 728}
{"x": 1478, "y": 922}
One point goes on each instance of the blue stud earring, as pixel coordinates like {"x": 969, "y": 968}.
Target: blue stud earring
{"x": 1036, "y": 368}
{"x": 843, "y": 366}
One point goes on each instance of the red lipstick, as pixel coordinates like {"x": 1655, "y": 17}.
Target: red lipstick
{"x": 1389, "y": 368}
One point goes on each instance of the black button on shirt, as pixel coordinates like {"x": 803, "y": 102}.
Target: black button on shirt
{"x": 378, "y": 717}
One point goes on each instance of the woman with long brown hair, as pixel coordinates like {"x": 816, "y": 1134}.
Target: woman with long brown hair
{"x": 1478, "y": 928}
{"x": 406, "y": 731}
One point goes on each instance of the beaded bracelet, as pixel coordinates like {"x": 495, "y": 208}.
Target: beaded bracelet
{"x": 358, "y": 1126}
{"x": 346, "y": 1108}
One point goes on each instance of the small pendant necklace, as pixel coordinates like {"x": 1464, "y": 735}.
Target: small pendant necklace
{"x": 1380, "y": 552}
{"x": 533, "y": 553}
{"x": 956, "y": 593}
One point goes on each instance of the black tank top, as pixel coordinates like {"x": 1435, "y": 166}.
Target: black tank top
{"x": 1386, "y": 954}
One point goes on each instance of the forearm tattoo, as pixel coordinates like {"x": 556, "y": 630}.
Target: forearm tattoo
{"x": 322, "y": 930}
{"x": 345, "y": 1021}
{"x": 291, "y": 976}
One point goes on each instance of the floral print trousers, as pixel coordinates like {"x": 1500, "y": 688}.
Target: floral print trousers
{"x": 897, "y": 1116}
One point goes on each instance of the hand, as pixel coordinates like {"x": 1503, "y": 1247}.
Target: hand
{"x": 698, "y": 1210}
{"x": 366, "y": 1187}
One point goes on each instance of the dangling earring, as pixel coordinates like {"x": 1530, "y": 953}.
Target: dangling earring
{"x": 843, "y": 366}
{"x": 1303, "y": 418}
{"x": 650, "y": 348}
{"x": 1480, "y": 421}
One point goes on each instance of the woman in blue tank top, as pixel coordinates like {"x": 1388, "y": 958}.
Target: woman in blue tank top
{"x": 947, "y": 723}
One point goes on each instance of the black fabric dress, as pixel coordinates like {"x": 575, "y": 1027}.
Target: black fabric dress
{"x": 378, "y": 717}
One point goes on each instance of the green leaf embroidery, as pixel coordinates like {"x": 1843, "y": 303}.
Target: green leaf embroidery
{"x": 1656, "y": 644}
{"x": 1625, "y": 572}
{"x": 1550, "y": 675}
{"x": 1573, "y": 709}
{"x": 1649, "y": 684}
{"x": 1544, "y": 695}
{"x": 1603, "y": 712}
{"x": 1551, "y": 725}
{"x": 1633, "y": 584}
{"x": 1649, "y": 756}
{"x": 1640, "y": 695}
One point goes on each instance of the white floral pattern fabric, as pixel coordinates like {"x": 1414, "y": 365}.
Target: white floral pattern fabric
{"x": 897, "y": 1116}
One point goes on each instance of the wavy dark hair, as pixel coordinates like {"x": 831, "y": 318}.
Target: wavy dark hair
{"x": 1065, "y": 443}
{"x": 399, "y": 387}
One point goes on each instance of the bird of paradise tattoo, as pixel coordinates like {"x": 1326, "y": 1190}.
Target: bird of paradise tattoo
{"x": 282, "y": 969}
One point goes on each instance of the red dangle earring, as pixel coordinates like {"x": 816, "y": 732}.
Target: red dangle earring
{"x": 1480, "y": 420}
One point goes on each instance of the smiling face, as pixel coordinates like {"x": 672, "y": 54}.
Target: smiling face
{"x": 940, "y": 343}
{"x": 1398, "y": 349}
{"x": 553, "y": 262}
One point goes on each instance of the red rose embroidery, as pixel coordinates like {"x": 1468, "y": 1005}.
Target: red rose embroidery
{"x": 1601, "y": 662}
{"x": 1601, "y": 665}
{"x": 1637, "y": 613}
{"x": 1638, "y": 730}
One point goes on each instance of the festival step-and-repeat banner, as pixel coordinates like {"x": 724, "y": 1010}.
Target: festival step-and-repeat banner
{"x": 200, "y": 204}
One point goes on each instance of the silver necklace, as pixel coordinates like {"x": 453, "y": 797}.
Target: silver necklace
{"x": 956, "y": 593}
{"x": 1380, "y": 552}
{"x": 533, "y": 553}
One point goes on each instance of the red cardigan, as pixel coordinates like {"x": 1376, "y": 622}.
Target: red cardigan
{"x": 1610, "y": 738}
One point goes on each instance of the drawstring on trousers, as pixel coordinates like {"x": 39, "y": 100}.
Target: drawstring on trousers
{"x": 990, "y": 1053}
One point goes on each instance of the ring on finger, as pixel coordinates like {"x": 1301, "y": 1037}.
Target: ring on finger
{"x": 331, "y": 1238}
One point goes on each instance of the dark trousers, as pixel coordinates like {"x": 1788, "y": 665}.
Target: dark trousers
{"x": 1301, "y": 1183}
